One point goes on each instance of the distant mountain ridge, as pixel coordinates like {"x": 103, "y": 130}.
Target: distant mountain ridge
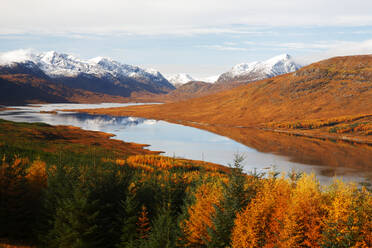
{"x": 332, "y": 88}
{"x": 100, "y": 75}
{"x": 255, "y": 71}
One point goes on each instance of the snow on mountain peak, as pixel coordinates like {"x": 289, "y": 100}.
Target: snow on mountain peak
{"x": 180, "y": 78}
{"x": 153, "y": 71}
{"x": 16, "y": 56}
{"x": 56, "y": 64}
{"x": 259, "y": 70}
{"x": 210, "y": 79}
{"x": 100, "y": 59}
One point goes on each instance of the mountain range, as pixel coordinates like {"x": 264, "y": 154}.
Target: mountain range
{"x": 251, "y": 71}
{"x": 55, "y": 77}
{"x": 99, "y": 75}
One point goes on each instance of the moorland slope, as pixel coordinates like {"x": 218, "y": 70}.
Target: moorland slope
{"x": 337, "y": 91}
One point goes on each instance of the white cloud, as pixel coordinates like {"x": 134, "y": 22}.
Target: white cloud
{"x": 249, "y": 42}
{"x": 339, "y": 48}
{"x": 175, "y": 16}
{"x": 225, "y": 48}
{"x": 229, "y": 43}
{"x": 302, "y": 45}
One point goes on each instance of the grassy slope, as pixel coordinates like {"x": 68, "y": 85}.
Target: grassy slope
{"x": 42, "y": 139}
{"x": 331, "y": 88}
{"x": 51, "y": 143}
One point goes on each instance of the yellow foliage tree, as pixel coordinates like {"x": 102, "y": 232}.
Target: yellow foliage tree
{"x": 303, "y": 225}
{"x": 262, "y": 222}
{"x": 36, "y": 174}
{"x": 349, "y": 213}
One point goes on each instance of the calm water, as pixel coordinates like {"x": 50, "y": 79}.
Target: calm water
{"x": 183, "y": 141}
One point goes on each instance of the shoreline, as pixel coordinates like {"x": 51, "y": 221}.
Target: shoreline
{"x": 303, "y": 133}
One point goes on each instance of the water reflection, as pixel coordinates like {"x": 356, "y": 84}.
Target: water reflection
{"x": 262, "y": 149}
{"x": 326, "y": 157}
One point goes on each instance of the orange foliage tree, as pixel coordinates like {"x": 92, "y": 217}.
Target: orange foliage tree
{"x": 195, "y": 228}
{"x": 143, "y": 223}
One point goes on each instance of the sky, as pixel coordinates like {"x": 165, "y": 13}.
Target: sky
{"x": 199, "y": 37}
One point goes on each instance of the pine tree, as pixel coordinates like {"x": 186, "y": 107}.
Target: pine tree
{"x": 235, "y": 197}
{"x": 16, "y": 218}
{"x": 75, "y": 223}
{"x": 129, "y": 235}
{"x": 164, "y": 231}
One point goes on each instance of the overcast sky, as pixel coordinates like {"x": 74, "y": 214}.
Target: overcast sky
{"x": 200, "y": 37}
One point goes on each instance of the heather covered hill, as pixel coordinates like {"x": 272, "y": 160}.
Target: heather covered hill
{"x": 195, "y": 89}
{"x": 329, "y": 88}
{"x": 337, "y": 87}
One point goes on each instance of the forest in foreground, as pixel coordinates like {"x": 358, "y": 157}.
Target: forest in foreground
{"x": 65, "y": 187}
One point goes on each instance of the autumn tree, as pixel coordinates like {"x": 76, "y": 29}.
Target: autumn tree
{"x": 143, "y": 224}
{"x": 303, "y": 225}
{"x": 348, "y": 222}
{"x": 261, "y": 222}
{"x": 195, "y": 227}
{"x": 37, "y": 175}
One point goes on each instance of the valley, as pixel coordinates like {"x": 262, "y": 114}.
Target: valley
{"x": 328, "y": 92}
{"x": 186, "y": 124}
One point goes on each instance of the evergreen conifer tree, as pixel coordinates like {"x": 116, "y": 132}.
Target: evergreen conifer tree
{"x": 235, "y": 196}
{"x": 164, "y": 231}
{"x": 75, "y": 223}
{"x": 129, "y": 235}
{"x": 14, "y": 212}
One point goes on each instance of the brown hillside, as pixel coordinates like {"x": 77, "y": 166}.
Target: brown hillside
{"x": 195, "y": 89}
{"x": 336, "y": 91}
{"x": 192, "y": 89}
{"x": 330, "y": 88}
{"x": 24, "y": 88}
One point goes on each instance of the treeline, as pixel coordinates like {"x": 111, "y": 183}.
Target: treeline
{"x": 156, "y": 201}
{"x": 343, "y": 124}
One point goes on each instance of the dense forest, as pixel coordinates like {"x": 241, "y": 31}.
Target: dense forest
{"x": 59, "y": 187}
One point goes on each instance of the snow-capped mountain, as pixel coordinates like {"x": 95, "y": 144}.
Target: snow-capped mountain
{"x": 98, "y": 74}
{"x": 210, "y": 79}
{"x": 260, "y": 70}
{"x": 179, "y": 79}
